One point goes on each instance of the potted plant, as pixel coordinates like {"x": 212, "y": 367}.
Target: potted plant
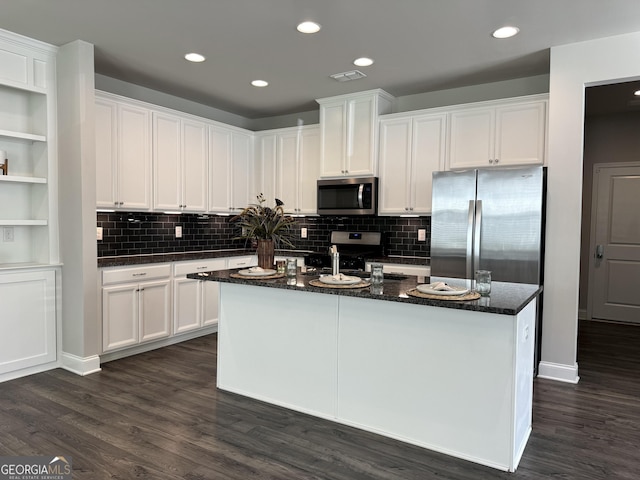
{"x": 270, "y": 227}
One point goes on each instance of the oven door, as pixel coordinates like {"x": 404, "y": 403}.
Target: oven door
{"x": 348, "y": 196}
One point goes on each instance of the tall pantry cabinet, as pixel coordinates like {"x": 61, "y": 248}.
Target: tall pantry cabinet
{"x": 29, "y": 250}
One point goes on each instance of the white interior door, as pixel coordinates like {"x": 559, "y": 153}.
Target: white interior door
{"x": 615, "y": 250}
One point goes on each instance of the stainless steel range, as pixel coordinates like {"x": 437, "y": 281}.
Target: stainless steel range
{"x": 354, "y": 249}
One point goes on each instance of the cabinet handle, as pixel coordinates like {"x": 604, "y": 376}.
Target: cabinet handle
{"x": 496, "y": 160}
{"x": 202, "y": 268}
{"x": 491, "y": 160}
{"x": 140, "y": 274}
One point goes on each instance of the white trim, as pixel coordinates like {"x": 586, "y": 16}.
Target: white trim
{"x": 583, "y": 314}
{"x": 146, "y": 347}
{"x": 558, "y": 372}
{"x": 80, "y": 365}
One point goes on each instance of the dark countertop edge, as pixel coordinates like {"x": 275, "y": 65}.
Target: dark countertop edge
{"x": 126, "y": 260}
{"x": 509, "y": 298}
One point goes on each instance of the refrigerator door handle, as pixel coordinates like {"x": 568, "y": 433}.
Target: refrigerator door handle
{"x": 476, "y": 236}
{"x": 470, "y": 239}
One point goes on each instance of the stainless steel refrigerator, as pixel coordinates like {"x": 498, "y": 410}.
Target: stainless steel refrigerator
{"x": 489, "y": 219}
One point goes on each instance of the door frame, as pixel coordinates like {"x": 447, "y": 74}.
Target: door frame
{"x": 592, "y": 229}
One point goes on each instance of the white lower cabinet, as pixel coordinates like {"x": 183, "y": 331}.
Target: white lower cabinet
{"x": 28, "y": 326}
{"x": 403, "y": 269}
{"x": 154, "y": 305}
{"x": 195, "y": 302}
{"x": 136, "y": 305}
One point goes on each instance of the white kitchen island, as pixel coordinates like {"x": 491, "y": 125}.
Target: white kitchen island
{"x": 457, "y": 379}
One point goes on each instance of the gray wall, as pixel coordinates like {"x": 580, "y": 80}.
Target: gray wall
{"x": 608, "y": 139}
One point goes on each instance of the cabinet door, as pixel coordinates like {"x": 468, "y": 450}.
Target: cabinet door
{"x": 266, "y": 146}
{"x": 520, "y": 134}
{"x": 155, "y": 310}
{"x": 395, "y": 163}
{"x": 119, "y": 316}
{"x": 210, "y": 295}
{"x": 428, "y": 156}
{"x": 361, "y": 137}
{"x": 472, "y": 138}
{"x": 106, "y": 153}
{"x": 219, "y": 169}
{"x": 134, "y": 157}
{"x": 194, "y": 166}
{"x": 309, "y": 171}
{"x": 187, "y": 304}
{"x": 28, "y": 329}
{"x": 287, "y": 184}
{"x": 242, "y": 185}
{"x": 333, "y": 124}
{"x": 166, "y": 162}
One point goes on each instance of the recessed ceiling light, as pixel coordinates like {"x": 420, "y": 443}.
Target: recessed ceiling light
{"x": 259, "y": 83}
{"x": 505, "y": 32}
{"x": 308, "y": 27}
{"x": 363, "y": 62}
{"x": 194, "y": 57}
{"x": 637, "y": 93}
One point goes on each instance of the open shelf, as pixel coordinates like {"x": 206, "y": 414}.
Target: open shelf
{"x": 20, "y": 179}
{"x": 23, "y": 136}
{"x": 18, "y": 222}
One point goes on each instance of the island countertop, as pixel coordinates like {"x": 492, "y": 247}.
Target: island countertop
{"x": 505, "y": 298}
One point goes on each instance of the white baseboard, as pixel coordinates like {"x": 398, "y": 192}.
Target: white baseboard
{"x": 80, "y": 365}
{"x": 582, "y": 314}
{"x": 559, "y": 372}
{"x": 147, "y": 347}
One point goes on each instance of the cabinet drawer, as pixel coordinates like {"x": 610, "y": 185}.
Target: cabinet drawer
{"x": 184, "y": 268}
{"x": 241, "y": 262}
{"x": 136, "y": 274}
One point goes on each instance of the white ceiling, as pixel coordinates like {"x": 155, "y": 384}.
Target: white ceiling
{"x": 418, "y": 45}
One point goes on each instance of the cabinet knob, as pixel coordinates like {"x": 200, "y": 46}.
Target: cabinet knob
{"x": 491, "y": 160}
{"x": 496, "y": 160}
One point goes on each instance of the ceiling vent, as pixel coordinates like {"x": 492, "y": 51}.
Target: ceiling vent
{"x": 347, "y": 76}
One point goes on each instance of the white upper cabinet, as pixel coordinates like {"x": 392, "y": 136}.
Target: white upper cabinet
{"x": 230, "y": 169}
{"x": 179, "y": 163}
{"x": 287, "y": 167}
{"x": 412, "y": 147}
{"x": 298, "y": 169}
{"x": 498, "y": 133}
{"x": 123, "y": 154}
{"x": 266, "y": 145}
{"x": 349, "y": 133}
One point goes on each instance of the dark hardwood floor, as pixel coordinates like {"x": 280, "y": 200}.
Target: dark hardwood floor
{"x": 159, "y": 416}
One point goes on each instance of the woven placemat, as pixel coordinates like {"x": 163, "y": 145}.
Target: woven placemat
{"x": 318, "y": 283}
{"x": 469, "y": 296}
{"x": 265, "y": 277}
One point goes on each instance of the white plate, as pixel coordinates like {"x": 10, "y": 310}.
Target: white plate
{"x": 330, "y": 280}
{"x": 427, "y": 288}
{"x": 264, "y": 273}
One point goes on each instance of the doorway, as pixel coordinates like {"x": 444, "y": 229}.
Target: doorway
{"x": 614, "y": 267}
{"x": 611, "y": 125}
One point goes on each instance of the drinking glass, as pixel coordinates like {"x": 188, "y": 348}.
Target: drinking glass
{"x": 377, "y": 278}
{"x": 292, "y": 271}
{"x": 483, "y": 282}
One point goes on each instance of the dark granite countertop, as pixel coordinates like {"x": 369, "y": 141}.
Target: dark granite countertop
{"x": 185, "y": 256}
{"x": 420, "y": 261}
{"x": 128, "y": 260}
{"x": 505, "y": 298}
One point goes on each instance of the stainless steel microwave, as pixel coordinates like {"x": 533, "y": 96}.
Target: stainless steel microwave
{"x": 348, "y": 196}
